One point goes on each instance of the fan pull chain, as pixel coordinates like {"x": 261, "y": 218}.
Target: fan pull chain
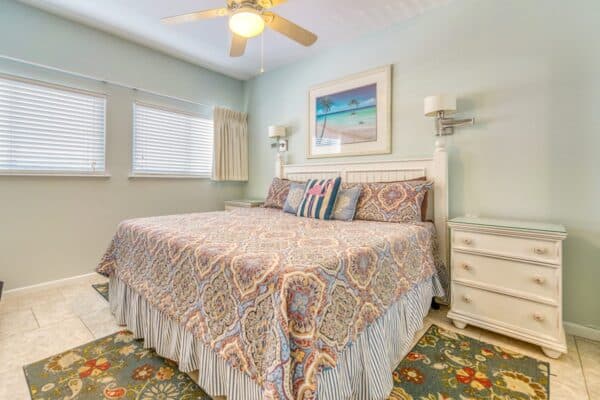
{"x": 262, "y": 53}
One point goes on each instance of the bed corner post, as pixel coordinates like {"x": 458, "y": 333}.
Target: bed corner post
{"x": 279, "y": 163}
{"x": 440, "y": 190}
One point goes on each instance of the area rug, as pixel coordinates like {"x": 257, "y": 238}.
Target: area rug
{"x": 115, "y": 367}
{"x": 443, "y": 365}
{"x": 102, "y": 288}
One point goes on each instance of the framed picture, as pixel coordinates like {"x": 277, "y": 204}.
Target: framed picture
{"x": 351, "y": 116}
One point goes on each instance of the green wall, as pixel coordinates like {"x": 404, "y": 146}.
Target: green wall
{"x": 528, "y": 71}
{"x": 52, "y": 227}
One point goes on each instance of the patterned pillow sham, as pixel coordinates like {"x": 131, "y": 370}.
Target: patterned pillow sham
{"x": 294, "y": 197}
{"x": 345, "y": 205}
{"x": 278, "y": 192}
{"x": 392, "y": 201}
{"x": 319, "y": 198}
{"x": 422, "y": 179}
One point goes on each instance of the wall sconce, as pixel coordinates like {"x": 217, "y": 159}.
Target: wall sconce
{"x": 439, "y": 106}
{"x": 278, "y": 133}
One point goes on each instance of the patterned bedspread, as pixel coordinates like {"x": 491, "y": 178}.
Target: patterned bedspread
{"x": 277, "y": 296}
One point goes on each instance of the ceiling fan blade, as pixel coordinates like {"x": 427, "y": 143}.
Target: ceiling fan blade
{"x": 238, "y": 45}
{"x": 289, "y": 29}
{"x": 266, "y": 4}
{"x": 195, "y": 16}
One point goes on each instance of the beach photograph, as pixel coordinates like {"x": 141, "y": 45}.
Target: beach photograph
{"x": 347, "y": 117}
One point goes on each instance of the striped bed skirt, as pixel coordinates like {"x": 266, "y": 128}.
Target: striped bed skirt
{"x": 363, "y": 372}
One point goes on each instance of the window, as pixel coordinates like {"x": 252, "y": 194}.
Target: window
{"x": 171, "y": 143}
{"x": 47, "y": 129}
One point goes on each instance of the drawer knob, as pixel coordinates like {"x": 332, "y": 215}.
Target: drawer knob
{"x": 539, "y": 280}
{"x": 467, "y": 241}
{"x": 538, "y": 317}
{"x": 466, "y": 299}
{"x": 466, "y": 267}
{"x": 540, "y": 251}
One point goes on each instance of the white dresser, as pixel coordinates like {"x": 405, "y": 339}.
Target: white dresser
{"x": 507, "y": 277}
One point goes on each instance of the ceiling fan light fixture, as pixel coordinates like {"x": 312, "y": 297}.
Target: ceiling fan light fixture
{"x": 247, "y": 22}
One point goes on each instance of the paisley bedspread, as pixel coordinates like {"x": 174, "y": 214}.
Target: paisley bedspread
{"x": 277, "y": 296}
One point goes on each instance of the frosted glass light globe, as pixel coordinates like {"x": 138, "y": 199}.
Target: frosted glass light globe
{"x": 247, "y": 23}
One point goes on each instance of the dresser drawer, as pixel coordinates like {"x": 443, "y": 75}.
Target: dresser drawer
{"x": 519, "y": 277}
{"x": 514, "y": 313}
{"x": 511, "y": 246}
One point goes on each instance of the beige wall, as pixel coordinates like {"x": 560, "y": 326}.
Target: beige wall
{"x": 55, "y": 227}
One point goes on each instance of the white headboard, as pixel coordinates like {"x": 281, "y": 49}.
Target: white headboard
{"x": 435, "y": 169}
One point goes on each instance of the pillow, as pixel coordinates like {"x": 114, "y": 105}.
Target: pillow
{"x": 278, "y": 192}
{"x": 294, "y": 197}
{"x": 422, "y": 179}
{"x": 345, "y": 205}
{"x": 319, "y": 198}
{"x": 392, "y": 201}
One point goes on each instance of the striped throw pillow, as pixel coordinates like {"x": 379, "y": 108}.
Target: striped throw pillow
{"x": 319, "y": 198}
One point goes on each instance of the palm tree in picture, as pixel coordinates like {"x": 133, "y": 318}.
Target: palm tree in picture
{"x": 325, "y": 103}
{"x": 353, "y": 103}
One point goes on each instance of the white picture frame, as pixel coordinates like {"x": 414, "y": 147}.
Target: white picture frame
{"x": 351, "y": 116}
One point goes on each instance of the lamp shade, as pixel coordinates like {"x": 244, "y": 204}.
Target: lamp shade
{"x": 440, "y": 102}
{"x": 276, "y": 131}
{"x": 247, "y": 23}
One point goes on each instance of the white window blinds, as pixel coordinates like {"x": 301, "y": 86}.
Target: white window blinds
{"x": 171, "y": 143}
{"x": 50, "y": 129}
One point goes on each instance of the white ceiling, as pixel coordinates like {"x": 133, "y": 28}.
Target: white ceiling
{"x": 206, "y": 43}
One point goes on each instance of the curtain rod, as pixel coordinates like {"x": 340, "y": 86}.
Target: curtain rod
{"x": 102, "y": 80}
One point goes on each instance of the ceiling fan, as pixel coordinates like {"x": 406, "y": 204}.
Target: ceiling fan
{"x": 247, "y": 19}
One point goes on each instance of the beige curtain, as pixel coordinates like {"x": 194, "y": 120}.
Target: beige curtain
{"x": 230, "y": 159}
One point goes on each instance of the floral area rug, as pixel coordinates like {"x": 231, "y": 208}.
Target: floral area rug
{"x": 445, "y": 365}
{"x": 115, "y": 367}
{"x": 102, "y": 288}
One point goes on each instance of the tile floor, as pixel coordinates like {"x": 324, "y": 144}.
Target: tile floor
{"x": 41, "y": 322}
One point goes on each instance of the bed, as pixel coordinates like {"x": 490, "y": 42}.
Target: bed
{"x": 267, "y": 305}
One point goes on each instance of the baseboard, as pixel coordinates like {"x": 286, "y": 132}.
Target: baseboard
{"x": 582, "y": 331}
{"x": 57, "y": 282}
{"x": 570, "y": 327}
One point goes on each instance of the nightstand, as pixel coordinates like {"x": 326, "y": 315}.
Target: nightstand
{"x": 506, "y": 276}
{"x": 233, "y": 204}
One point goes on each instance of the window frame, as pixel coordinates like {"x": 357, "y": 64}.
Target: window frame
{"x": 70, "y": 89}
{"x": 166, "y": 175}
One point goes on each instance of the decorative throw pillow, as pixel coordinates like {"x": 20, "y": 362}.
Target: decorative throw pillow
{"x": 392, "y": 201}
{"x": 294, "y": 197}
{"x": 422, "y": 179}
{"x": 319, "y": 198}
{"x": 278, "y": 192}
{"x": 345, "y": 205}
